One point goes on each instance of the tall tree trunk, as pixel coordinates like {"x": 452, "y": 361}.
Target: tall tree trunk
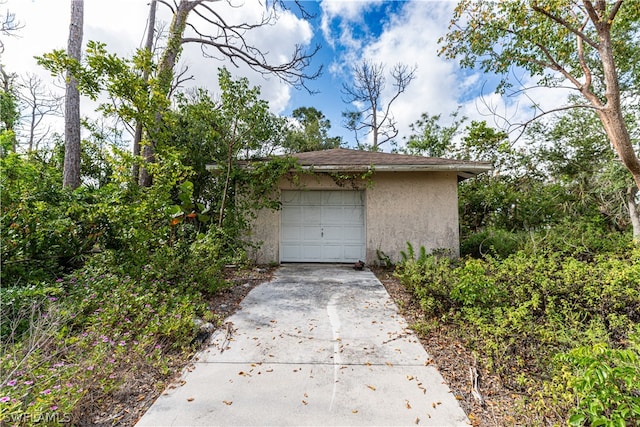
{"x": 165, "y": 77}
{"x": 611, "y": 114}
{"x": 71, "y": 171}
{"x": 135, "y": 172}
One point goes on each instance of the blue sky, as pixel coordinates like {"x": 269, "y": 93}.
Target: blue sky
{"x": 385, "y": 32}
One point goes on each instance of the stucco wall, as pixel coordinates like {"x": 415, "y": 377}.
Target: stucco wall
{"x": 419, "y": 207}
{"x": 416, "y": 207}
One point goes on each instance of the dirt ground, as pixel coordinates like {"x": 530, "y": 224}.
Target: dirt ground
{"x": 128, "y": 404}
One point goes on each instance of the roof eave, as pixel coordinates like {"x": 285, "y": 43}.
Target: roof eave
{"x": 463, "y": 170}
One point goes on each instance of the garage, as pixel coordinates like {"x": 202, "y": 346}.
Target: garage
{"x": 322, "y": 226}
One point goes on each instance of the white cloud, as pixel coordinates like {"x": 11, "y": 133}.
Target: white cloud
{"x": 346, "y": 12}
{"x": 121, "y": 24}
{"x": 411, "y": 37}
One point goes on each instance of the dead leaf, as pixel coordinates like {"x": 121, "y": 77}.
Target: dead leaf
{"x": 354, "y": 411}
{"x": 304, "y": 402}
{"x": 226, "y": 402}
{"x": 410, "y": 377}
{"x": 189, "y": 399}
{"x": 417, "y": 421}
{"x": 389, "y": 364}
{"x": 141, "y": 397}
{"x": 372, "y": 387}
{"x": 407, "y": 404}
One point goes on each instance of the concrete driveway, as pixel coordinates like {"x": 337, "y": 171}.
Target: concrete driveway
{"x": 318, "y": 345}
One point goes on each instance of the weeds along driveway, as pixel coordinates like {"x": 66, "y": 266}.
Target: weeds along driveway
{"x": 318, "y": 345}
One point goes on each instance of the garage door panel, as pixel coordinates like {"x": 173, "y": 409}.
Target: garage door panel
{"x": 353, "y": 215}
{"x": 312, "y": 216}
{"x": 353, "y": 252}
{"x": 292, "y": 215}
{"x": 332, "y": 252}
{"x": 291, "y": 234}
{"x": 291, "y": 198}
{"x": 322, "y": 226}
{"x": 291, "y": 252}
{"x": 312, "y": 234}
{"x": 344, "y": 234}
{"x": 312, "y": 198}
{"x": 332, "y": 215}
{"x": 353, "y": 198}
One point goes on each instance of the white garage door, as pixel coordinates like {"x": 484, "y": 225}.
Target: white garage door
{"x": 322, "y": 226}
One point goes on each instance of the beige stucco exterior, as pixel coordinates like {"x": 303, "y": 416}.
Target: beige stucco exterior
{"x": 400, "y": 207}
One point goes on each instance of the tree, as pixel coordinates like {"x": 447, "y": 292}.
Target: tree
{"x": 148, "y": 46}
{"x": 220, "y": 38}
{"x": 9, "y": 114}
{"x": 591, "y": 45}
{"x": 37, "y": 104}
{"x": 428, "y": 137}
{"x": 8, "y": 25}
{"x": 574, "y": 150}
{"x": 244, "y": 125}
{"x": 371, "y": 117}
{"x": 71, "y": 172}
{"x": 484, "y": 143}
{"x": 310, "y": 132}
{"x": 228, "y": 130}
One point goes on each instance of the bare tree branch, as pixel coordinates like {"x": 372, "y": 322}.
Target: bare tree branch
{"x": 8, "y": 26}
{"x": 38, "y": 104}
{"x": 368, "y": 84}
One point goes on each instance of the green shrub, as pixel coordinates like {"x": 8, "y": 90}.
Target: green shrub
{"x": 519, "y": 313}
{"x": 426, "y": 276}
{"x": 604, "y": 383}
{"x": 581, "y": 238}
{"x": 18, "y": 303}
{"x": 491, "y": 242}
{"x": 476, "y": 286}
{"x": 99, "y": 327}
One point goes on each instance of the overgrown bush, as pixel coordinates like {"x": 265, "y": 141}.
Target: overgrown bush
{"x": 79, "y": 339}
{"x": 37, "y": 234}
{"x": 493, "y": 242}
{"x": 603, "y": 383}
{"x": 534, "y": 309}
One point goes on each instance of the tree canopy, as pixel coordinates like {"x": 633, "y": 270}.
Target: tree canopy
{"x": 588, "y": 45}
{"x": 310, "y": 132}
